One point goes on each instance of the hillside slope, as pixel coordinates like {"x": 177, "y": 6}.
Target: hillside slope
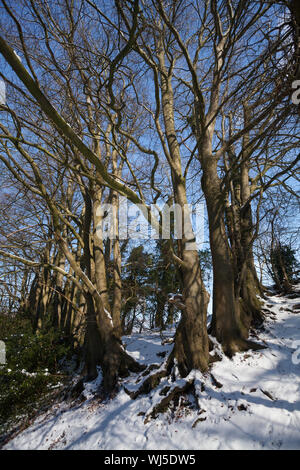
{"x": 250, "y": 402}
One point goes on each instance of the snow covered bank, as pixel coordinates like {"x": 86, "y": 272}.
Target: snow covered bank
{"x": 250, "y": 402}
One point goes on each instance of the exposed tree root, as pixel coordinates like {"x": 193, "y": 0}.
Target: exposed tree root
{"x": 75, "y": 391}
{"x": 170, "y": 395}
{"x": 148, "y": 370}
{"x": 151, "y": 382}
{"x": 171, "y": 392}
{"x": 215, "y": 382}
{"x": 240, "y": 345}
{"x": 174, "y": 389}
{"x": 269, "y": 313}
{"x": 293, "y": 295}
{"x": 200, "y": 419}
{"x": 268, "y": 394}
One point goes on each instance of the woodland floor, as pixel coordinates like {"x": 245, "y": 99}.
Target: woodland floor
{"x": 249, "y": 402}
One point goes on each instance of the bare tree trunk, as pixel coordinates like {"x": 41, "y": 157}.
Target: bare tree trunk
{"x": 191, "y": 349}
{"x": 103, "y": 346}
{"x": 117, "y": 267}
{"x": 98, "y": 246}
{"x": 295, "y": 11}
{"x": 78, "y": 319}
{"x": 58, "y": 287}
{"x": 227, "y": 325}
{"x": 161, "y": 300}
{"x": 248, "y": 285}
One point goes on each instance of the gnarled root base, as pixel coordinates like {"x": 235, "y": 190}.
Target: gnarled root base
{"x": 235, "y": 339}
{"x": 116, "y": 363}
{"x": 171, "y": 394}
{"x": 168, "y": 369}
{"x": 149, "y": 384}
{"x": 185, "y": 356}
{"x": 240, "y": 345}
{"x": 251, "y": 313}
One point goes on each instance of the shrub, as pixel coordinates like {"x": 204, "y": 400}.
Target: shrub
{"x": 21, "y": 394}
{"x": 32, "y": 369}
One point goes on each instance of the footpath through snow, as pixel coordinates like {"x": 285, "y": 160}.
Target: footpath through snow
{"x": 251, "y": 402}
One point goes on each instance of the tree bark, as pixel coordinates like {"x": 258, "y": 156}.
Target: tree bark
{"x": 227, "y": 325}
{"x": 191, "y": 349}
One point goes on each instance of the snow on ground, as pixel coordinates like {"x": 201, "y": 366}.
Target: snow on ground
{"x": 257, "y": 406}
